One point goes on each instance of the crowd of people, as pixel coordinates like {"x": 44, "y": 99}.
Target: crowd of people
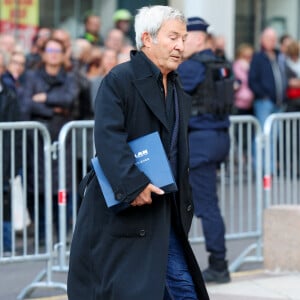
{"x": 269, "y": 77}
{"x": 271, "y": 73}
{"x": 58, "y": 81}
{"x": 88, "y": 58}
{"x": 54, "y": 83}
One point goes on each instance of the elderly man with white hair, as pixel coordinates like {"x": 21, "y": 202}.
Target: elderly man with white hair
{"x": 141, "y": 252}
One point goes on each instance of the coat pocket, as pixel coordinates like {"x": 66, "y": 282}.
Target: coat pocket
{"x": 131, "y": 223}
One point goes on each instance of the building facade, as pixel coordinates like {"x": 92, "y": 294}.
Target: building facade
{"x": 237, "y": 20}
{"x": 243, "y": 20}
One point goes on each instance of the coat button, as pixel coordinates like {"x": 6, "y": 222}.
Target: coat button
{"x": 189, "y": 207}
{"x": 119, "y": 196}
{"x": 142, "y": 232}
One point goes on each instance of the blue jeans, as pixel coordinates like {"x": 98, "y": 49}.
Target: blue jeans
{"x": 7, "y": 228}
{"x": 179, "y": 283}
{"x": 262, "y": 109}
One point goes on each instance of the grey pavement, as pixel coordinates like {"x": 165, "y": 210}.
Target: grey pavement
{"x": 245, "y": 285}
{"x": 258, "y": 285}
{"x": 250, "y": 282}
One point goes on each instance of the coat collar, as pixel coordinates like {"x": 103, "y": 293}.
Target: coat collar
{"x": 146, "y": 82}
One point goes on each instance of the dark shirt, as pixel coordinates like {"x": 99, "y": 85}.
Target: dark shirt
{"x": 167, "y": 97}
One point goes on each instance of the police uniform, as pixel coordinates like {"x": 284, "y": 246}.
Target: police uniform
{"x": 209, "y": 146}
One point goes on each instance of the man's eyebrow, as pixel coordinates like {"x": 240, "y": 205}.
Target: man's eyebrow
{"x": 178, "y": 34}
{"x": 174, "y": 33}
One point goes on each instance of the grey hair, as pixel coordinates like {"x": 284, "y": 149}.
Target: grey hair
{"x": 150, "y": 19}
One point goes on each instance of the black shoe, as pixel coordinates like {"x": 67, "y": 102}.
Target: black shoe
{"x": 211, "y": 275}
{"x": 217, "y": 271}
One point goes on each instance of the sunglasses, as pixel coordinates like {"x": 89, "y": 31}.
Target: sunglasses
{"x": 53, "y": 50}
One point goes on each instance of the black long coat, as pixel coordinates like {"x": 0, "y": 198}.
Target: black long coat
{"x": 124, "y": 256}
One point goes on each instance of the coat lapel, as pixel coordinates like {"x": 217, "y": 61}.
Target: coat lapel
{"x": 146, "y": 84}
{"x": 150, "y": 93}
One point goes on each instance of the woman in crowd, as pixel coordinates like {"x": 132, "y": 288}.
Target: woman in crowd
{"x": 49, "y": 95}
{"x": 14, "y": 76}
{"x": 101, "y": 63}
{"x": 243, "y": 96}
{"x": 293, "y": 75}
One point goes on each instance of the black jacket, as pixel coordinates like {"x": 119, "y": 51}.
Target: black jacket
{"x": 9, "y": 112}
{"x": 262, "y": 81}
{"x": 62, "y": 92}
{"x": 124, "y": 256}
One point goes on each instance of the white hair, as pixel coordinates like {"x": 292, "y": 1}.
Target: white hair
{"x": 150, "y": 19}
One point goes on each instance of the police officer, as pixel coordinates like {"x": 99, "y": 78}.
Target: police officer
{"x": 209, "y": 145}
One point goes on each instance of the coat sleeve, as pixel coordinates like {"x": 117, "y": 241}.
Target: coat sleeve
{"x": 255, "y": 79}
{"x": 64, "y": 95}
{"x": 30, "y": 107}
{"x": 191, "y": 73}
{"x": 111, "y": 137}
{"x": 11, "y": 113}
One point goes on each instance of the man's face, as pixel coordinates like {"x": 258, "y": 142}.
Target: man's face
{"x": 16, "y": 65}
{"x": 7, "y": 43}
{"x": 93, "y": 25}
{"x": 195, "y": 41}
{"x": 43, "y": 35}
{"x": 166, "y": 49}
{"x": 285, "y": 44}
{"x": 123, "y": 25}
{"x": 109, "y": 60}
{"x": 53, "y": 54}
{"x": 269, "y": 40}
{"x": 115, "y": 40}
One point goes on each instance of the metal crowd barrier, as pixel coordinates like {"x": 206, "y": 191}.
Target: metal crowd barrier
{"x": 75, "y": 142}
{"x": 240, "y": 186}
{"x": 29, "y": 140}
{"x": 240, "y": 190}
{"x": 282, "y": 159}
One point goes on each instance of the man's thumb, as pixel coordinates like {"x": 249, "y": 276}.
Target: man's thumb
{"x": 157, "y": 190}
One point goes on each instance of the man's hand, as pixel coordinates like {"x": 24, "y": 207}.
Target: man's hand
{"x": 40, "y": 97}
{"x": 145, "y": 196}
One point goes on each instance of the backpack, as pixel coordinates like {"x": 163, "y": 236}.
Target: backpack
{"x": 215, "y": 94}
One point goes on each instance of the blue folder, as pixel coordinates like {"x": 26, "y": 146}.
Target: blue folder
{"x": 151, "y": 159}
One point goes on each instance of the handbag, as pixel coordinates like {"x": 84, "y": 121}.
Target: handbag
{"x": 21, "y": 218}
{"x": 293, "y": 93}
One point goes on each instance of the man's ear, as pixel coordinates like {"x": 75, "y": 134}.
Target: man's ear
{"x": 147, "y": 39}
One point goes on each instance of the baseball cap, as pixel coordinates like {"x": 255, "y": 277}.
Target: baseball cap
{"x": 196, "y": 24}
{"x": 122, "y": 15}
